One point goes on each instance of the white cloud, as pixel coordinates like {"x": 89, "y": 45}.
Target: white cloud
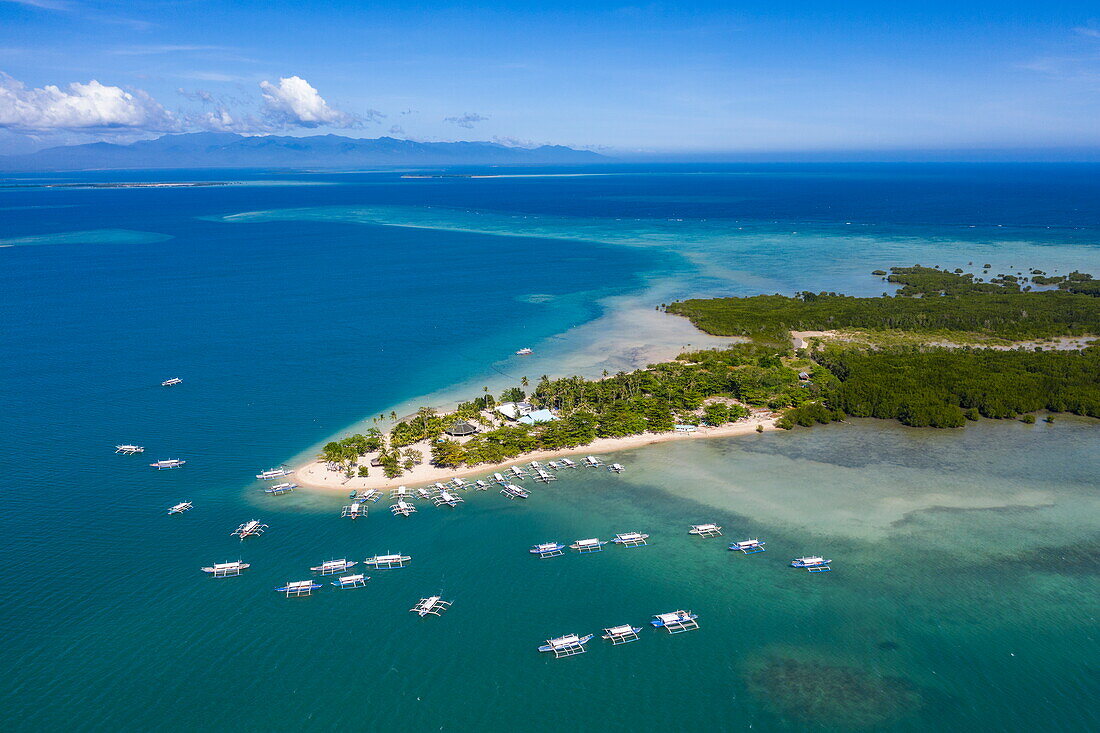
{"x": 467, "y": 120}
{"x": 294, "y": 102}
{"x": 79, "y": 107}
{"x": 1088, "y": 31}
{"x": 45, "y": 4}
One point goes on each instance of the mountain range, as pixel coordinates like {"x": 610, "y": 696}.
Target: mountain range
{"x": 230, "y": 150}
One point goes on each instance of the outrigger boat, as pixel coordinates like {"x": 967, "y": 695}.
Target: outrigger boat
{"x": 548, "y": 549}
{"x": 517, "y": 473}
{"x": 299, "y": 588}
{"x": 616, "y": 468}
{"x": 621, "y": 634}
{"x": 171, "y": 382}
{"x": 749, "y": 547}
{"x": 813, "y": 563}
{"x": 499, "y": 478}
{"x": 567, "y": 463}
{"x": 423, "y": 493}
{"x": 592, "y": 544}
{"x": 592, "y": 462}
{"x": 280, "y": 489}
{"x": 566, "y": 646}
{"x": 481, "y": 485}
{"x": 445, "y": 497}
{"x": 345, "y": 582}
{"x": 556, "y": 465}
{"x": 331, "y": 567}
{"x": 514, "y": 492}
{"x": 401, "y": 492}
{"x": 273, "y": 473}
{"x": 226, "y": 569}
{"x": 167, "y": 463}
{"x": 630, "y": 539}
{"x": 129, "y": 449}
{"x": 534, "y": 465}
{"x": 460, "y": 484}
{"x": 541, "y": 474}
{"x": 354, "y": 510}
{"x": 371, "y": 495}
{"x": 525, "y": 351}
{"x": 183, "y": 506}
{"x": 387, "y": 562}
{"x": 676, "y": 622}
{"x": 705, "y": 530}
{"x": 402, "y": 508}
{"x": 430, "y": 606}
{"x": 249, "y": 529}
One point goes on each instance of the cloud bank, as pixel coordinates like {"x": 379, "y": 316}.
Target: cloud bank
{"x": 467, "y": 120}
{"x": 91, "y": 106}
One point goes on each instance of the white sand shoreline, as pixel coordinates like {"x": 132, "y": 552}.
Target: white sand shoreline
{"x": 316, "y": 475}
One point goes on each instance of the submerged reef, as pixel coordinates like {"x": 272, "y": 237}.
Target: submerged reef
{"x": 805, "y": 686}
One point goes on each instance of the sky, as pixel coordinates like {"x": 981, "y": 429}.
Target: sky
{"x": 648, "y": 78}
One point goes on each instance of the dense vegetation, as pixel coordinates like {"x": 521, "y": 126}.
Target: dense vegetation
{"x": 929, "y": 300}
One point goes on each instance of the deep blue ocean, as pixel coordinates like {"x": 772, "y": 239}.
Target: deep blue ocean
{"x": 296, "y": 304}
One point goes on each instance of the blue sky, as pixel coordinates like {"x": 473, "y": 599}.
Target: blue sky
{"x": 654, "y": 77}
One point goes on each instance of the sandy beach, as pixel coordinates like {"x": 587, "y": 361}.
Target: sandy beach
{"x": 316, "y": 475}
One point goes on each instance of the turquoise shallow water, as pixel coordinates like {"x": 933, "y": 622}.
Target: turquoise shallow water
{"x": 965, "y": 591}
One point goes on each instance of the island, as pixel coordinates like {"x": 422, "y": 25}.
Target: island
{"x": 946, "y": 348}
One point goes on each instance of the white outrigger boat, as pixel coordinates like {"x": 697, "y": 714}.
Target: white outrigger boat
{"x": 749, "y": 547}
{"x": 167, "y": 463}
{"x": 548, "y": 549}
{"x": 525, "y": 351}
{"x": 331, "y": 567}
{"x": 705, "y": 530}
{"x": 387, "y": 562}
{"x": 630, "y": 539}
{"x": 616, "y": 468}
{"x": 591, "y": 462}
{"x": 402, "y": 508}
{"x": 482, "y": 485}
{"x": 448, "y": 499}
{"x": 514, "y": 492}
{"x": 298, "y": 588}
{"x": 567, "y": 463}
{"x": 566, "y": 646}
{"x": 129, "y": 449}
{"x": 226, "y": 569}
{"x": 431, "y": 606}
{"x": 422, "y": 493}
{"x": 460, "y": 484}
{"x": 354, "y": 510}
{"x": 516, "y": 472}
{"x": 812, "y": 563}
{"x": 676, "y": 622}
{"x": 273, "y": 473}
{"x": 280, "y": 489}
{"x": 171, "y": 382}
{"x": 371, "y": 495}
{"x": 344, "y": 582}
{"x": 499, "y": 478}
{"x": 541, "y": 474}
{"x": 401, "y": 492}
{"x": 621, "y": 634}
{"x": 180, "y": 508}
{"x": 592, "y": 544}
{"x": 251, "y": 528}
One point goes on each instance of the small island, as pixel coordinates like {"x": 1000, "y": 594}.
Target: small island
{"x": 945, "y": 349}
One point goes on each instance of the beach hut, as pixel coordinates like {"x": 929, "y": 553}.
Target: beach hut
{"x": 536, "y": 417}
{"x": 515, "y": 410}
{"x": 460, "y": 429}
{"x": 686, "y": 429}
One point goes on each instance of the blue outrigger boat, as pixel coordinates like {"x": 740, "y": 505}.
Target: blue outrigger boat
{"x": 676, "y": 622}
{"x": 299, "y": 588}
{"x": 548, "y": 549}
{"x": 813, "y": 563}
{"x": 566, "y": 646}
{"x": 749, "y": 547}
